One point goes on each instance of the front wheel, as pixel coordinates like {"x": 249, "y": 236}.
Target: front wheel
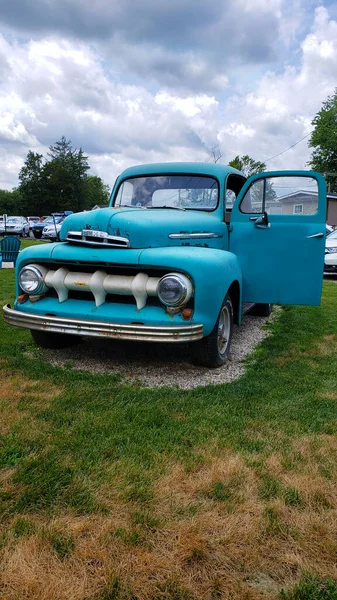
{"x": 213, "y": 350}
{"x": 47, "y": 339}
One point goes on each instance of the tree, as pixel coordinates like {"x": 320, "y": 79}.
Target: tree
{"x": 65, "y": 175}
{"x": 97, "y": 192}
{"x": 215, "y": 153}
{"x": 247, "y": 165}
{"x": 30, "y": 187}
{"x": 11, "y": 202}
{"x": 324, "y": 142}
{"x": 60, "y": 182}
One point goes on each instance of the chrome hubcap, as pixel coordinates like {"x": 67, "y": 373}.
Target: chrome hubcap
{"x": 224, "y": 328}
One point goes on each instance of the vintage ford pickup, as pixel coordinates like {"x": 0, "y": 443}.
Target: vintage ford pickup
{"x": 178, "y": 256}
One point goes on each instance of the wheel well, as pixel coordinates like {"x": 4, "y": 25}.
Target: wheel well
{"x": 234, "y": 293}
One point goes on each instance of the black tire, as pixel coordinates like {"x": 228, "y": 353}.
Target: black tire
{"x": 47, "y": 339}
{"x": 261, "y": 310}
{"x": 37, "y": 235}
{"x": 213, "y": 350}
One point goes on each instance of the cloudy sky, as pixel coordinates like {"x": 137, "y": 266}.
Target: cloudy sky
{"x": 133, "y": 81}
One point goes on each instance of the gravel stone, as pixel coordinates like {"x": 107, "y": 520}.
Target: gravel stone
{"x": 156, "y": 365}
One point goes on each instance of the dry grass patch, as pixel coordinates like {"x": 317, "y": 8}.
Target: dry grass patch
{"x": 327, "y": 395}
{"x": 327, "y": 344}
{"x": 16, "y": 388}
{"x": 189, "y": 543}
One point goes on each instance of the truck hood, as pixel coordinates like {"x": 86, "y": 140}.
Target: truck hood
{"x": 151, "y": 228}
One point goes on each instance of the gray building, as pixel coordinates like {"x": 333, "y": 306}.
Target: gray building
{"x": 302, "y": 202}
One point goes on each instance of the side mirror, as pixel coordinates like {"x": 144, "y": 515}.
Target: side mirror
{"x": 262, "y": 222}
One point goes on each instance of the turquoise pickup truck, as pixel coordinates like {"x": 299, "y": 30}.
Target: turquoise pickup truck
{"x": 183, "y": 250}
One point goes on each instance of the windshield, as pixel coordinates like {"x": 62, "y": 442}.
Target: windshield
{"x": 14, "y": 220}
{"x": 186, "y": 192}
{"x": 51, "y": 220}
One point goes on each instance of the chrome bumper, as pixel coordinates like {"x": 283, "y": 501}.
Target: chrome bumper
{"x": 143, "y": 333}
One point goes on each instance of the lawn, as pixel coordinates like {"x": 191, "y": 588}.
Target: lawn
{"x": 113, "y": 491}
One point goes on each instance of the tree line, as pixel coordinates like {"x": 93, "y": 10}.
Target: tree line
{"x": 61, "y": 182}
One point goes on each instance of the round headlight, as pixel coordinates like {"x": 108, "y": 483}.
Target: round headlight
{"x": 174, "y": 289}
{"x": 31, "y": 280}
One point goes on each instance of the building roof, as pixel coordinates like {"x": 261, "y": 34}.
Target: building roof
{"x": 291, "y": 197}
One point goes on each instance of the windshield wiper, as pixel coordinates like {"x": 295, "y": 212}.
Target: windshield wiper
{"x": 168, "y": 206}
{"x": 128, "y": 206}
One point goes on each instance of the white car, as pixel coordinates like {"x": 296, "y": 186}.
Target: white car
{"x": 32, "y": 221}
{"x": 51, "y": 231}
{"x": 330, "y": 260}
{"x": 14, "y": 226}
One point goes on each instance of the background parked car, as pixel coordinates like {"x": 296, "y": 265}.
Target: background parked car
{"x": 52, "y": 231}
{"x": 330, "y": 260}
{"x": 49, "y": 227}
{"x": 32, "y": 220}
{"x": 14, "y": 226}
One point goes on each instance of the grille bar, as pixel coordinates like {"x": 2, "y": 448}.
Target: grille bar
{"x": 90, "y": 237}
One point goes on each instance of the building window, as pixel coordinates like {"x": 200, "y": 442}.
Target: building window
{"x": 298, "y": 209}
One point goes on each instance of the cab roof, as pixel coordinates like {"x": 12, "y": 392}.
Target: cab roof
{"x": 199, "y": 168}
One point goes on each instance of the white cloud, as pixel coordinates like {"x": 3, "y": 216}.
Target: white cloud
{"x": 190, "y": 106}
{"x": 282, "y": 106}
{"x": 57, "y": 86}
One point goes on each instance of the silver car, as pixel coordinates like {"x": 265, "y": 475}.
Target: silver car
{"x": 330, "y": 260}
{"x": 14, "y": 226}
{"x": 52, "y": 231}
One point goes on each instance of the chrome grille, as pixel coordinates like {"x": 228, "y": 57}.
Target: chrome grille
{"x": 90, "y": 237}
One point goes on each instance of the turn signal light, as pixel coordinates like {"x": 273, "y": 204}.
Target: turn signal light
{"x": 23, "y": 298}
{"x": 187, "y": 314}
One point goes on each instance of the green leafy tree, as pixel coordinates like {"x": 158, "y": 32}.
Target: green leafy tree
{"x": 60, "y": 182}
{"x": 323, "y": 140}
{"x": 247, "y": 165}
{"x": 97, "y": 192}
{"x": 11, "y": 203}
{"x": 30, "y": 187}
{"x": 65, "y": 176}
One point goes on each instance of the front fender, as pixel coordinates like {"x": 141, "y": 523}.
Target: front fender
{"x": 212, "y": 271}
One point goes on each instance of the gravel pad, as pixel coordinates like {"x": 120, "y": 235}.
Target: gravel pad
{"x": 155, "y": 365}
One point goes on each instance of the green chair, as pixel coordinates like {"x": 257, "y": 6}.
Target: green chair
{"x": 9, "y": 249}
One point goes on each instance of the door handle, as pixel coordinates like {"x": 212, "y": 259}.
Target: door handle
{"x": 316, "y": 235}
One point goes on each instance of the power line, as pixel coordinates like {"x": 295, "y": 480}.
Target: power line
{"x": 286, "y": 150}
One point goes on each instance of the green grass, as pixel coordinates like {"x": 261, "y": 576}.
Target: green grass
{"x": 103, "y": 430}
{"x": 25, "y": 243}
{"x": 312, "y": 588}
{"x": 94, "y": 440}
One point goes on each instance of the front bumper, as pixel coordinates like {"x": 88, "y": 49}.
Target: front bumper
{"x": 135, "y": 332}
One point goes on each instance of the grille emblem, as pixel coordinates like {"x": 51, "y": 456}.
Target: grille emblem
{"x": 94, "y": 233}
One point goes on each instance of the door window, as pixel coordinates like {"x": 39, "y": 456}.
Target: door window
{"x": 287, "y": 195}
